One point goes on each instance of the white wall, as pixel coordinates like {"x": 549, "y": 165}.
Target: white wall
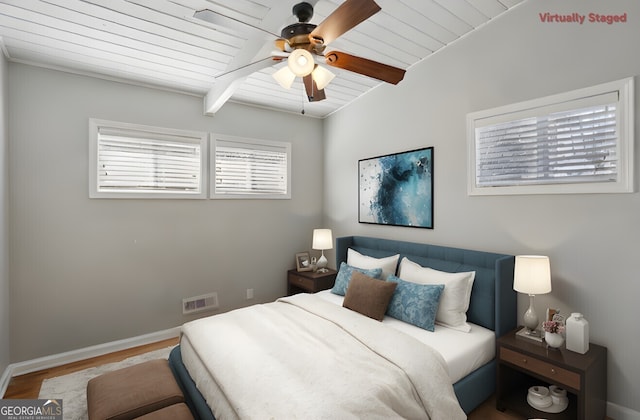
{"x": 592, "y": 240}
{"x": 4, "y": 223}
{"x": 85, "y": 272}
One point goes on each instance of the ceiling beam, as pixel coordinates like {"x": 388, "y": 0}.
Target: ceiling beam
{"x": 249, "y": 59}
{"x": 227, "y": 84}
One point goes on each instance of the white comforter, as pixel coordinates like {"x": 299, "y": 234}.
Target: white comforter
{"x": 304, "y": 358}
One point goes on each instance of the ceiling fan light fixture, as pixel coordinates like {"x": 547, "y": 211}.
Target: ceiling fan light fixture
{"x": 300, "y": 62}
{"x": 284, "y": 77}
{"x": 322, "y": 77}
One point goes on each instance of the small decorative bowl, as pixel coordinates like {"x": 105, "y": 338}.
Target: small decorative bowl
{"x": 538, "y": 397}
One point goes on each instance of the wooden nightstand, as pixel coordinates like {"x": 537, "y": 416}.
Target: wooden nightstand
{"x": 308, "y": 281}
{"x": 523, "y": 363}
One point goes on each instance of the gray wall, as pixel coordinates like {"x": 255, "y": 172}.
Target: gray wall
{"x": 4, "y": 222}
{"x": 85, "y": 272}
{"x": 592, "y": 240}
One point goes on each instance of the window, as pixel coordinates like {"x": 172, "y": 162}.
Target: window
{"x": 576, "y": 142}
{"x": 135, "y": 161}
{"x": 248, "y": 168}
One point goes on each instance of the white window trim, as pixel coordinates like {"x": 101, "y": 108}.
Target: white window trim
{"x": 200, "y": 137}
{"x": 625, "y": 148}
{"x": 258, "y": 196}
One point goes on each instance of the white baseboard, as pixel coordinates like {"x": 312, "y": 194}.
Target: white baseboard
{"x": 4, "y": 380}
{"x": 59, "y": 359}
{"x": 618, "y": 412}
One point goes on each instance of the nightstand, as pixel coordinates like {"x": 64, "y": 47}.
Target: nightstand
{"x": 523, "y": 363}
{"x": 309, "y": 281}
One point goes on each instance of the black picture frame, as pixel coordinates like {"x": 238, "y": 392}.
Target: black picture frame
{"x": 397, "y": 189}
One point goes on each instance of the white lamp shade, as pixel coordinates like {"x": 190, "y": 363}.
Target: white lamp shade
{"x": 322, "y": 77}
{"x": 300, "y": 62}
{"x": 532, "y": 274}
{"x": 285, "y": 77}
{"x": 322, "y": 239}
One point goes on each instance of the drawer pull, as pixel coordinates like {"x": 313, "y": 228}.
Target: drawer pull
{"x": 553, "y": 371}
{"x": 524, "y": 361}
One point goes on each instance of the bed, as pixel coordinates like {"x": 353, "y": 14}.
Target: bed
{"x": 491, "y": 313}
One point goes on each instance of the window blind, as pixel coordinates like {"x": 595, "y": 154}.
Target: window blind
{"x": 571, "y": 146}
{"x": 251, "y": 168}
{"x": 140, "y": 161}
{"x": 577, "y": 142}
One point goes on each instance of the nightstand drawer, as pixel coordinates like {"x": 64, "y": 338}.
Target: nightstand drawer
{"x": 556, "y": 375}
{"x": 301, "y": 282}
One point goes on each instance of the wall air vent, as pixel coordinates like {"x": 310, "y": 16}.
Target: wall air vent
{"x": 200, "y": 303}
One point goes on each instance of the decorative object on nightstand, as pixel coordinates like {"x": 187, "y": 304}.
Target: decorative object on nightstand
{"x": 577, "y": 333}
{"x": 303, "y": 263}
{"x": 549, "y": 400}
{"x": 532, "y": 275}
{"x": 553, "y": 333}
{"x": 322, "y": 239}
{"x": 538, "y": 397}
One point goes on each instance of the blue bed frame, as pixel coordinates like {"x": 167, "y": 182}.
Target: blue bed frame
{"x": 493, "y": 306}
{"x": 493, "y": 300}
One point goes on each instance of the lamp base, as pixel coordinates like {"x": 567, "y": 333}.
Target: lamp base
{"x": 322, "y": 263}
{"x": 534, "y": 335}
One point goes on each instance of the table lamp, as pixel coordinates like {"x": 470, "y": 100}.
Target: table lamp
{"x": 322, "y": 240}
{"x": 532, "y": 275}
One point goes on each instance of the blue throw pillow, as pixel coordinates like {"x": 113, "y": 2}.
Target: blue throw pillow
{"x": 344, "y": 277}
{"x": 414, "y": 303}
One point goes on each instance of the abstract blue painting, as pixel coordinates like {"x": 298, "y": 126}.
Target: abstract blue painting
{"x": 397, "y": 189}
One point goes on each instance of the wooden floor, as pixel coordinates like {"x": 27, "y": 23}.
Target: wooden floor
{"x": 487, "y": 411}
{"x": 28, "y": 386}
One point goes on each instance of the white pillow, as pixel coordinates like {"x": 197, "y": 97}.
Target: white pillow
{"x": 454, "y": 302}
{"x": 387, "y": 264}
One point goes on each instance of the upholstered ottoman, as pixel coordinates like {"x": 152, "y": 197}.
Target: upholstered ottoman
{"x": 133, "y": 391}
{"x": 173, "y": 412}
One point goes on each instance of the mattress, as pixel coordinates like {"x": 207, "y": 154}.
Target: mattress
{"x": 463, "y": 352}
{"x": 198, "y": 372}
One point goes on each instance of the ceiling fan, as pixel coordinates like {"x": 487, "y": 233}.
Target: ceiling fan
{"x": 300, "y": 41}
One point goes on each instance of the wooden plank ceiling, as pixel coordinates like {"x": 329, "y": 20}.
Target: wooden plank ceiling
{"x": 159, "y": 43}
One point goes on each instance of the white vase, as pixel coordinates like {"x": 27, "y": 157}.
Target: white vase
{"x": 577, "y": 333}
{"x": 554, "y": 340}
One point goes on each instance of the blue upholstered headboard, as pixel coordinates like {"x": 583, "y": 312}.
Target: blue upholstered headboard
{"x": 493, "y": 300}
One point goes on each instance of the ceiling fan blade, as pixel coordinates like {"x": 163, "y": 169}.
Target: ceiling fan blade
{"x": 364, "y": 66}
{"x": 348, "y": 15}
{"x": 313, "y": 93}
